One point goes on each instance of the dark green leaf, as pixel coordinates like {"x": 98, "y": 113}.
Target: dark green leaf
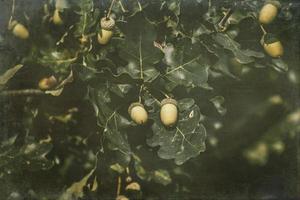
{"x": 76, "y": 190}
{"x": 88, "y": 17}
{"x": 113, "y": 124}
{"x": 201, "y": 30}
{"x": 218, "y": 102}
{"x": 59, "y": 61}
{"x": 242, "y": 56}
{"x": 184, "y": 141}
{"x": 4, "y": 78}
{"x": 174, "y": 6}
{"x": 160, "y": 176}
{"x": 237, "y": 16}
{"x": 138, "y": 50}
{"x": 134, "y": 6}
{"x": 29, "y": 156}
{"x": 222, "y": 65}
{"x": 120, "y": 89}
{"x": 279, "y": 65}
{"x": 186, "y": 66}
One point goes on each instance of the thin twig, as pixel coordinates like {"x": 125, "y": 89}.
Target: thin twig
{"x": 263, "y": 29}
{"x": 109, "y": 11}
{"x": 225, "y": 18}
{"x": 141, "y": 58}
{"x": 21, "y": 92}
{"x": 209, "y": 5}
{"x": 156, "y": 100}
{"x": 182, "y": 66}
{"x": 140, "y": 93}
{"x": 12, "y": 12}
{"x": 119, "y": 186}
{"x": 167, "y": 96}
{"x": 128, "y": 178}
{"x": 62, "y": 39}
{"x": 122, "y": 7}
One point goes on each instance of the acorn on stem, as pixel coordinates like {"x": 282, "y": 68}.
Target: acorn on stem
{"x": 18, "y": 29}
{"x": 47, "y": 83}
{"x": 272, "y": 45}
{"x": 168, "y": 112}
{"x": 57, "y": 20}
{"x": 84, "y": 39}
{"x": 269, "y": 11}
{"x": 106, "y": 31}
{"x": 133, "y": 186}
{"x": 138, "y": 113}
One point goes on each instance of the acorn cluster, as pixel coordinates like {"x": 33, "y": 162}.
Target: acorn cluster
{"x": 267, "y": 15}
{"x": 169, "y": 109}
{"x": 107, "y": 25}
{"x": 168, "y": 112}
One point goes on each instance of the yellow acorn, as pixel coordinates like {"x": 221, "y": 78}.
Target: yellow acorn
{"x": 121, "y": 197}
{"x": 168, "y": 112}
{"x": 19, "y": 30}
{"x": 128, "y": 179}
{"x": 133, "y": 186}
{"x": 272, "y": 46}
{"x": 83, "y": 39}
{"x": 57, "y": 20}
{"x": 138, "y": 113}
{"x": 269, "y": 12}
{"x": 106, "y": 31}
{"x": 47, "y": 83}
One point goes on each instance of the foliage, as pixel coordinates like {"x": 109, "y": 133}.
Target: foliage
{"x": 179, "y": 49}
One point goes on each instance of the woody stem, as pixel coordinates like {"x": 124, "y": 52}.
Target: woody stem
{"x": 21, "y": 92}
{"x": 12, "y": 11}
{"x": 263, "y": 30}
{"x": 109, "y": 11}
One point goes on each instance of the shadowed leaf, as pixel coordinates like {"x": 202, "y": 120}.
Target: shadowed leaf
{"x": 242, "y": 56}
{"x": 183, "y": 141}
{"x": 4, "y": 78}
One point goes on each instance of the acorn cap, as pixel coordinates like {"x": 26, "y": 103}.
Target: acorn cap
{"x": 270, "y": 38}
{"x": 53, "y": 79}
{"x": 274, "y": 3}
{"x": 128, "y": 179}
{"x": 134, "y": 105}
{"x": 12, "y": 24}
{"x": 168, "y": 101}
{"x": 107, "y": 23}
